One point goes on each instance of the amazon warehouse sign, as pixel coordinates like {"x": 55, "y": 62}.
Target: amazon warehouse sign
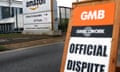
{"x": 40, "y": 16}
{"x": 90, "y": 37}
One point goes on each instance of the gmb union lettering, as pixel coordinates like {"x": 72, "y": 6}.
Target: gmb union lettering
{"x": 34, "y": 4}
{"x": 93, "y": 15}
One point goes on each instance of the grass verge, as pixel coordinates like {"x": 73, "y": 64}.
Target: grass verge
{"x": 2, "y": 48}
{"x": 10, "y": 35}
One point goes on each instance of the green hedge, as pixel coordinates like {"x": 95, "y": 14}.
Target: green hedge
{"x": 63, "y": 25}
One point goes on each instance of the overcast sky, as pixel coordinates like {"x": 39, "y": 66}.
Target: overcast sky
{"x": 67, "y": 3}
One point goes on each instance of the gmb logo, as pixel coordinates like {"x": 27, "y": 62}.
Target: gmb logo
{"x": 34, "y": 4}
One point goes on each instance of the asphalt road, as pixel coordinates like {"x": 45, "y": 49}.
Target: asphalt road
{"x": 39, "y": 59}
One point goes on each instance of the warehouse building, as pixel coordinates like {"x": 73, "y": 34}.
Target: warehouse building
{"x": 10, "y": 16}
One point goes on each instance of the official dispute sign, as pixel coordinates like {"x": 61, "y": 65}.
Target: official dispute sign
{"x": 89, "y": 39}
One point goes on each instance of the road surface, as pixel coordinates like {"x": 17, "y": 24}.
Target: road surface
{"x": 39, "y": 59}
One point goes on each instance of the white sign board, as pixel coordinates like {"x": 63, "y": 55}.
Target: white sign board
{"x": 40, "y": 15}
{"x": 89, "y": 49}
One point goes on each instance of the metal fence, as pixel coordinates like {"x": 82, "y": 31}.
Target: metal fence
{"x": 64, "y": 15}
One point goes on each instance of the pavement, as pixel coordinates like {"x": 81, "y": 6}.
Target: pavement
{"x": 28, "y": 41}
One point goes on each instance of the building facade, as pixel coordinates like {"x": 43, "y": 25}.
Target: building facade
{"x": 11, "y": 16}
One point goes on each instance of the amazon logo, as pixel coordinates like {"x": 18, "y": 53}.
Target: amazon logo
{"x": 34, "y": 4}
